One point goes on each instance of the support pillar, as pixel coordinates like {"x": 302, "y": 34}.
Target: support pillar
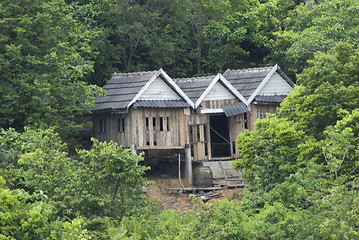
{"x": 133, "y": 149}
{"x": 188, "y": 164}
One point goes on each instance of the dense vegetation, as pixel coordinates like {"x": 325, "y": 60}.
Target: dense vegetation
{"x": 301, "y": 165}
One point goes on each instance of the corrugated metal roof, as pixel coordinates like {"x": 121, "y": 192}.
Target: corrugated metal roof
{"x": 235, "y": 109}
{"x": 161, "y": 103}
{"x": 121, "y": 89}
{"x": 270, "y": 99}
{"x": 246, "y": 81}
{"x": 195, "y": 86}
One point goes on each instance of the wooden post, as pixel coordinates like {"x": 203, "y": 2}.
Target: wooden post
{"x": 188, "y": 164}
{"x": 133, "y": 149}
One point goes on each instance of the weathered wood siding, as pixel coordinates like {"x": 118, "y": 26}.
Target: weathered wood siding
{"x": 158, "y": 128}
{"x": 199, "y": 129}
{"x": 217, "y": 103}
{"x": 261, "y": 111}
{"x": 145, "y": 128}
{"x": 113, "y": 127}
{"x": 198, "y": 135}
{"x": 238, "y": 124}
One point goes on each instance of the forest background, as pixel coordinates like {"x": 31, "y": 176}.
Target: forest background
{"x": 301, "y": 165}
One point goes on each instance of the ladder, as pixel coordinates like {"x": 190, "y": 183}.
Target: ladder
{"x": 232, "y": 182}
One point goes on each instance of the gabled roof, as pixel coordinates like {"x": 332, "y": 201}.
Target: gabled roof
{"x": 194, "y": 87}
{"x": 197, "y": 88}
{"x": 135, "y": 89}
{"x": 250, "y": 81}
{"x": 124, "y": 89}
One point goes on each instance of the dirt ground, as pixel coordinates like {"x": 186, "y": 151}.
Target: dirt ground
{"x": 172, "y": 199}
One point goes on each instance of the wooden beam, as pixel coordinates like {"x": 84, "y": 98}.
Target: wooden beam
{"x": 188, "y": 165}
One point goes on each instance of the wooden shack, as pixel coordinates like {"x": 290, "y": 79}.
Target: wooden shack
{"x": 149, "y": 111}
{"x": 143, "y": 110}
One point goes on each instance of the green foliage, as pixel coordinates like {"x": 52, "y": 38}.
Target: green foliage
{"x": 111, "y": 179}
{"x": 44, "y": 53}
{"x": 316, "y": 26}
{"x": 102, "y": 184}
{"x": 166, "y": 225}
{"x": 29, "y": 216}
{"x": 328, "y": 90}
{"x": 269, "y": 154}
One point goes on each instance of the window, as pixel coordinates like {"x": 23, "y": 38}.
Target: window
{"x": 102, "y": 125}
{"x": 121, "y": 124}
{"x": 168, "y": 123}
{"x": 233, "y": 147}
{"x": 147, "y": 132}
{"x": 154, "y": 131}
{"x": 245, "y": 121}
{"x": 161, "y": 123}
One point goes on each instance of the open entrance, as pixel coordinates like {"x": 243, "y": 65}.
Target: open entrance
{"x": 220, "y": 144}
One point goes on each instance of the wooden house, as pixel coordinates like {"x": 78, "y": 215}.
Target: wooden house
{"x": 144, "y": 110}
{"x": 201, "y": 116}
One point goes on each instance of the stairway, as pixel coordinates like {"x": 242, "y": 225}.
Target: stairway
{"x": 232, "y": 182}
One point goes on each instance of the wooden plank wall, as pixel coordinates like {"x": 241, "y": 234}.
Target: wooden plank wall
{"x": 112, "y": 131}
{"x": 198, "y": 135}
{"x": 180, "y": 126}
{"x": 217, "y": 103}
{"x": 135, "y": 128}
{"x": 260, "y": 111}
{"x": 152, "y": 137}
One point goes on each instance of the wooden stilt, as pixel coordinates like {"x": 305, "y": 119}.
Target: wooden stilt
{"x": 133, "y": 149}
{"x": 188, "y": 164}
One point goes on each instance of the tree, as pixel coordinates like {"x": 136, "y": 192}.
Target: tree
{"x": 103, "y": 182}
{"x": 44, "y": 53}
{"x": 316, "y": 26}
{"x": 269, "y": 154}
{"x": 328, "y": 89}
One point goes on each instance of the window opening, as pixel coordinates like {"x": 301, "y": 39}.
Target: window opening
{"x": 168, "y": 123}
{"x": 245, "y": 125}
{"x": 198, "y": 133}
{"x": 233, "y": 147}
{"x": 147, "y": 132}
{"x": 102, "y": 125}
{"x": 121, "y": 124}
{"x": 161, "y": 123}
{"x": 191, "y": 134}
{"x": 154, "y": 131}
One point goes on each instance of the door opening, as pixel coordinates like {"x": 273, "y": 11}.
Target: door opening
{"x": 220, "y": 144}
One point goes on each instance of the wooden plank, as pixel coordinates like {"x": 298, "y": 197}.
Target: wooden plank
{"x": 201, "y": 145}
{"x": 183, "y": 128}
{"x": 195, "y": 189}
{"x": 159, "y": 148}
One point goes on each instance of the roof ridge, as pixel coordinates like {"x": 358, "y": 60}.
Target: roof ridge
{"x": 257, "y": 69}
{"x": 128, "y": 74}
{"x": 194, "y": 78}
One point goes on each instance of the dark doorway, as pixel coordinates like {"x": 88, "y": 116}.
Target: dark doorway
{"x": 220, "y": 144}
